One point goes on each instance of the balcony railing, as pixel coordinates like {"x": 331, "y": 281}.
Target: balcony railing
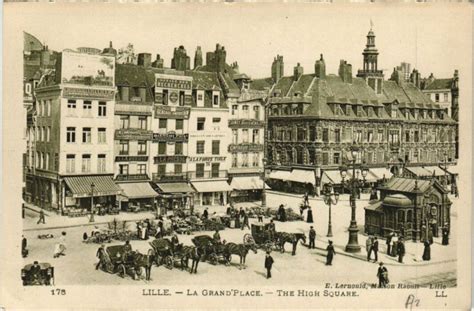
{"x": 207, "y": 174}
{"x": 133, "y": 133}
{"x": 169, "y": 177}
{"x": 132, "y": 177}
{"x": 245, "y": 147}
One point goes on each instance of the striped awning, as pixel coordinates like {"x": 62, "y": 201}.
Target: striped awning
{"x": 140, "y": 190}
{"x": 175, "y": 187}
{"x": 211, "y": 186}
{"x": 247, "y": 183}
{"x": 302, "y": 176}
{"x": 282, "y": 175}
{"x": 81, "y": 186}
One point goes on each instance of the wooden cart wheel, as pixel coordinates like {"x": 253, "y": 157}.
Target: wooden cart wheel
{"x": 169, "y": 262}
{"x": 248, "y": 239}
{"x": 122, "y": 270}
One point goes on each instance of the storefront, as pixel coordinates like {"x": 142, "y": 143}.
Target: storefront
{"x": 211, "y": 192}
{"x": 247, "y": 188}
{"x": 295, "y": 181}
{"x": 174, "y": 196}
{"x": 137, "y": 197}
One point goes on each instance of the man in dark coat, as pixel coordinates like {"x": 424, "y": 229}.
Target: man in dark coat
{"x": 312, "y": 237}
{"x": 427, "y": 251}
{"x": 375, "y": 248}
{"x": 41, "y": 217}
{"x": 217, "y": 237}
{"x": 330, "y": 254}
{"x": 35, "y": 271}
{"x": 306, "y": 199}
{"x": 24, "y": 244}
{"x": 401, "y": 250}
{"x": 382, "y": 274}
{"x": 268, "y": 264}
{"x": 389, "y": 243}
{"x": 445, "y": 233}
{"x": 309, "y": 215}
{"x": 100, "y": 255}
{"x": 205, "y": 214}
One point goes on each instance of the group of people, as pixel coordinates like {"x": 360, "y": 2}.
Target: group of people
{"x": 240, "y": 217}
{"x": 143, "y": 229}
{"x": 396, "y": 246}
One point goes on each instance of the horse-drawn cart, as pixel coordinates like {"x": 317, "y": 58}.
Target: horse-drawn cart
{"x": 210, "y": 249}
{"x": 262, "y": 235}
{"x": 120, "y": 259}
{"x": 44, "y": 275}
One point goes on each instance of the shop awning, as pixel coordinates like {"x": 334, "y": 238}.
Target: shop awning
{"x": 333, "y": 177}
{"x": 247, "y": 183}
{"x": 379, "y": 173}
{"x": 436, "y": 170}
{"x": 302, "y": 176}
{"x": 453, "y": 170}
{"x": 141, "y": 190}
{"x": 80, "y": 186}
{"x": 175, "y": 187}
{"x": 282, "y": 175}
{"x": 211, "y": 186}
{"x": 419, "y": 171}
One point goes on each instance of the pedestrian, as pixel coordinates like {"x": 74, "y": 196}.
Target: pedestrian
{"x": 281, "y": 213}
{"x": 306, "y": 199}
{"x": 402, "y": 230}
{"x": 35, "y": 271}
{"x": 205, "y": 214}
{"x": 401, "y": 250}
{"x": 427, "y": 251}
{"x": 24, "y": 244}
{"x": 100, "y": 255}
{"x": 309, "y": 215}
{"x": 217, "y": 237}
{"x": 312, "y": 237}
{"x": 268, "y": 264}
{"x": 375, "y": 248}
{"x": 389, "y": 243}
{"x": 41, "y": 217}
{"x": 330, "y": 254}
{"x": 369, "y": 247}
{"x": 445, "y": 233}
{"x": 246, "y": 221}
{"x": 394, "y": 245}
{"x": 60, "y": 246}
{"x": 271, "y": 229}
{"x": 127, "y": 247}
{"x": 147, "y": 228}
{"x": 382, "y": 274}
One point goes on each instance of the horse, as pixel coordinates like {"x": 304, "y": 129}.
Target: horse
{"x": 144, "y": 261}
{"x": 185, "y": 253}
{"x": 284, "y": 237}
{"x": 239, "y": 249}
{"x": 205, "y": 244}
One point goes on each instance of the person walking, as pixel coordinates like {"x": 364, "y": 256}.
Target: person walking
{"x": 369, "y": 247}
{"x": 41, "y": 218}
{"x": 394, "y": 245}
{"x": 246, "y": 221}
{"x": 24, "y": 244}
{"x": 309, "y": 215}
{"x": 426, "y": 251}
{"x": 205, "y": 214}
{"x": 401, "y": 250}
{"x": 330, "y": 254}
{"x": 268, "y": 264}
{"x": 217, "y": 237}
{"x": 306, "y": 199}
{"x": 100, "y": 255}
{"x": 445, "y": 233}
{"x": 60, "y": 246}
{"x": 389, "y": 243}
{"x": 382, "y": 274}
{"x": 375, "y": 248}
{"x": 312, "y": 237}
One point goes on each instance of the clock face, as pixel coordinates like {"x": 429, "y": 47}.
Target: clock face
{"x": 174, "y": 97}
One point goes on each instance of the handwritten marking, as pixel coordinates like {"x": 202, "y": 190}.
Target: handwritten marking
{"x": 411, "y": 302}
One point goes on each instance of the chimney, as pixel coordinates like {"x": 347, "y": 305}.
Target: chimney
{"x": 124, "y": 93}
{"x": 320, "y": 68}
{"x": 144, "y": 60}
{"x": 277, "y": 68}
{"x": 198, "y": 57}
{"x": 297, "y": 72}
{"x": 210, "y": 59}
{"x": 220, "y": 56}
{"x": 180, "y": 61}
{"x": 345, "y": 71}
{"x": 235, "y": 66}
{"x": 45, "y": 57}
{"x": 158, "y": 63}
{"x": 397, "y": 76}
{"x": 415, "y": 78}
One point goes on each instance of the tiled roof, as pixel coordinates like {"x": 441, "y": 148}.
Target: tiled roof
{"x": 261, "y": 84}
{"x": 131, "y": 75}
{"x": 407, "y": 184}
{"x": 248, "y": 95}
{"x": 439, "y": 84}
{"x": 204, "y": 80}
{"x": 356, "y": 92}
{"x": 283, "y": 85}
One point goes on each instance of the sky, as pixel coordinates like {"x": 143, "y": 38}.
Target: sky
{"x": 432, "y": 40}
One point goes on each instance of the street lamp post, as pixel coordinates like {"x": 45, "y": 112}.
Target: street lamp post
{"x": 265, "y": 160}
{"x": 415, "y": 213}
{"x": 353, "y": 185}
{"x": 330, "y": 197}
{"x": 264, "y": 193}
{"x": 91, "y": 219}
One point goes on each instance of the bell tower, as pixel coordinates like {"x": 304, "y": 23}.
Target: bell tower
{"x": 370, "y": 73}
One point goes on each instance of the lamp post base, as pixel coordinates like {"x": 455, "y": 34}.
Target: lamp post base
{"x": 329, "y": 235}
{"x": 353, "y": 244}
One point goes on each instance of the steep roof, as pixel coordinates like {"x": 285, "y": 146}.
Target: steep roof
{"x": 407, "y": 184}
{"x": 406, "y": 94}
{"x": 439, "y": 84}
{"x": 31, "y": 43}
{"x": 261, "y": 84}
{"x": 204, "y": 80}
{"x": 131, "y": 75}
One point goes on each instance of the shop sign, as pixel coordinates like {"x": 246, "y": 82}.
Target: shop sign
{"x": 88, "y": 93}
{"x": 174, "y": 97}
{"x": 245, "y": 148}
{"x": 171, "y": 112}
{"x": 246, "y": 123}
{"x": 167, "y": 83}
{"x": 169, "y": 159}
{"x": 131, "y": 158}
{"x": 206, "y": 159}
{"x": 170, "y": 137}
{"x": 133, "y": 134}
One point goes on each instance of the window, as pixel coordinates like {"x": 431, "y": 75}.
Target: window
{"x": 407, "y": 136}
{"x": 162, "y": 147}
{"x": 179, "y": 124}
{"x": 380, "y": 136}
{"x": 215, "y": 170}
{"x": 46, "y": 161}
{"x": 393, "y": 137}
{"x": 141, "y": 147}
{"x": 71, "y": 105}
{"x": 124, "y": 122}
{"x": 71, "y": 134}
{"x": 48, "y": 133}
{"x": 245, "y": 159}
{"x": 445, "y": 97}
{"x": 162, "y": 123}
{"x": 123, "y": 147}
{"x": 141, "y": 169}
{"x": 256, "y": 110}
{"x": 394, "y": 112}
{"x": 245, "y": 135}
{"x": 255, "y": 159}
{"x": 142, "y": 123}
{"x": 215, "y": 100}
{"x": 437, "y": 97}
{"x": 102, "y": 109}
{"x": 178, "y": 148}
{"x": 199, "y": 97}
{"x": 70, "y": 163}
{"x": 87, "y": 108}
{"x": 40, "y": 133}
{"x": 234, "y": 136}
{"x": 37, "y": 160}
{"x": 199, "y": 170}
{"x": 200, "y": 124}
{"x": 101, "y": 168}
{"x": 216, "y": 146}
{"x": 48, "y": 108}
{"x": 123, "y": 169}
{"x": 417, "y": 136}
{"x": 370, "y": 136}
{"x": 325, "y": 135}
{"x": 325, "y": 158}
{"x": 86, "y": 135}
{"x": 101, "y": 135}
{"x": 28, "y": 88}
{"x": 358, "y": 136}
{"x": 178, "y": 168}
{"x": 200, "y": 147}
{"x": 234, "y": 109}
{"x": 162, "y": 169}
{"x": 234, "y": 160}
{"x": 181, "y": 98}
{"x": 255, "y": 136}
{"x": 312, "y": 133}
{"x": 336, "y": 158}
{"x": 245, "y": 111}
{"x": 337, "y": 135}
{"x": 86, "y": 163}
{"x": 165, "y": 97}
{"x": 216, "y": 120}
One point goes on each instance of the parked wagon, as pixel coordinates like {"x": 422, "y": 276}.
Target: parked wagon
{"x": 262, "y": 236}
{"x": 211, "y": 250}
{"x": 163, "y": 252}
{"x": 43, "y": 275}
{"x": 120, "y": 259}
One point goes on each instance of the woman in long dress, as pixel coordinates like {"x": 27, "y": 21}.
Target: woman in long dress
{"x": 60, "y": 246}
{"x": 427, "y": 251}
{"x": 309, "y": 215}
{"x": 394, "y": 246}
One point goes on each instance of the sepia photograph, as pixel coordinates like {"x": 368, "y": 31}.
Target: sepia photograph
{"x": 287, "y": 155}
